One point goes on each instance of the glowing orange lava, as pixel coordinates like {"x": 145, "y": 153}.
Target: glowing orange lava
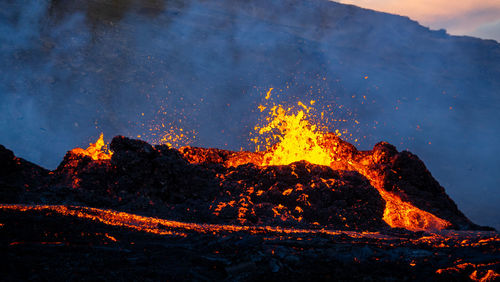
{"x": 289, "y": 137}
{"x": 293, "y": 136}
{"x": 97, "y": 151}
{"x": 401, "y": 214}
{"x": 169, "y": 134}
{"x": 439, "y": 239}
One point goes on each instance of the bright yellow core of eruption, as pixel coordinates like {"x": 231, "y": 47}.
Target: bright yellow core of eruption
{"x": 295, "y": 138}
{"x": 97, "y": 151}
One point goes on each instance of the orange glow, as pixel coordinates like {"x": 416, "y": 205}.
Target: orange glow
{"x": 110, "y": 237}
{"x": 97, "y": 151}
{"x": 175, "y": 137}
{"x": 289, "y": 137}
{"x": 268, "y": 94}
{"x": 163, "y": 127}
{"x": 169, "y": 227}
{"x": 168, "y": 134}
{"x": 297, "y": 139}
{"x": 405, "y": 215}
{"x": 490, "y": 275}
{"x": 177, "y": 228}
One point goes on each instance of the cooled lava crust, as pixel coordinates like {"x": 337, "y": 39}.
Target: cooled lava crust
{"x": 234, "y": 219}
{"x": 219, "y": 186}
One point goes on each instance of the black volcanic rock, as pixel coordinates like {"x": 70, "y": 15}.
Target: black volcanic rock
{"x": 43, "y": 245}
{"x": 122, "y": 144}
{"x": 7, "y": 160}
{"x": 300, "y": 193}
{"x": 137, "y": 177}
{"x": 17, "y": 176}
{"x": 219, "y": 186}
{"x": 272, "y": 222}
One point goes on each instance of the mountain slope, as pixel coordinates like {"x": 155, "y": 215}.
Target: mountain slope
{"x": 69, "y": 66}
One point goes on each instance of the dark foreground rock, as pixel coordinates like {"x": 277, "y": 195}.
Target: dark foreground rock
{"x": 43, "y": 245}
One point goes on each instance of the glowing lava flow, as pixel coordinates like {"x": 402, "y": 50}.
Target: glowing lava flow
{"x": 438, "y": 239}
{"x": 405, "y": 215}
{"x": 294, "y": 138}
{"x": 97, "y": 150}
{"x": 289, "y": 136}
{"x": 177, "y": 228}
{"x": 171, "y": 227}
{"x": 402, "y": 214}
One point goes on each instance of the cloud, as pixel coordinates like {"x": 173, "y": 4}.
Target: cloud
{"x": 458, "y": 17}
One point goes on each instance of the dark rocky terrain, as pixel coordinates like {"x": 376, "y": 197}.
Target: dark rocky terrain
{"x": 218, "y": 186}
{"x": 42, "y": 245}
{"x": 209, "y": 214}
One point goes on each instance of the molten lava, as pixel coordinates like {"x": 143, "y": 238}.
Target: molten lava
{"x": 97, "y": 151}
{"x": 405, "y": 215}
{"x": 295, "y": 137}
{"x": 289, "y": 135}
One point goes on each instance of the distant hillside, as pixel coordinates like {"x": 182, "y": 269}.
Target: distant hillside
{"x": 70, "y": 69}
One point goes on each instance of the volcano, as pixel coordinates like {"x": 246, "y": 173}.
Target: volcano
{"x": 141, "y": 211}
{"x": 305, "y": 205}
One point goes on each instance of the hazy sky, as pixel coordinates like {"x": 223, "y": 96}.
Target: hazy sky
{"x": 480, "y": 18}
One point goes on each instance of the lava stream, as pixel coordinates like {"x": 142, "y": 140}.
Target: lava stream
{"x": 177, "y": 228}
